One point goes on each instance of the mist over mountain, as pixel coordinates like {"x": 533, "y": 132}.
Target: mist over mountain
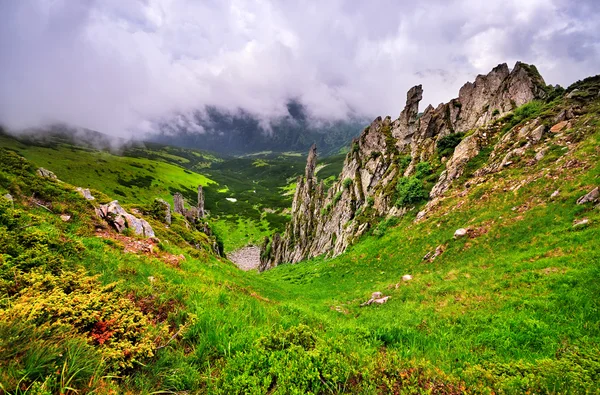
{"x": 243, "y": 132}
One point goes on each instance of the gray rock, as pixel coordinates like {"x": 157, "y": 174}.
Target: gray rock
{"x": 120, "y": 219}
{"x": 541, "y": 154}
{"x": 407, "y": 277}
{"x": 178, "y": 204}
{"x": 65, "y": 217}
{"x": 591, "y": 196}
{"x": 85, "y": 193}
{"x": 462, "y": 232}
{"x": 554, "y": 194}
{"x": 581, "y": 222}
{"x": 376, "y": 297}
{"x": 46, "y": 173}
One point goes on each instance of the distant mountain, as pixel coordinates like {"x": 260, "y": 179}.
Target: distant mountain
{"x": 243, "y": 132}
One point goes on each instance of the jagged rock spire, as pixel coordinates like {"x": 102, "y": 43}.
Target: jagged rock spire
{"x": 410, "y": 111}
{"x": 200, "y": 202}
{"x": 311, "y": 163}
{"x": 178, "y": 205}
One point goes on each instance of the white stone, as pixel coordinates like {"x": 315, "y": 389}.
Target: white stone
{"x": 462, "y": 232}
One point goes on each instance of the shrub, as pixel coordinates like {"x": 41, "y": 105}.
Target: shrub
{"x": 337, "y": 197}
{"x": 521, "y": 114}
{"x": 403, "y": 163}
{"x": 410, "y": 190}
{"x": 370, "y": 201}
{"x": 292, "y": 361}
{"x": 422, "y": 170}
{"x": 347, "y": 182}
{"x": 446, "y": 144}
{"x": 282, "y": 339}
{"x": 76, "y": 303}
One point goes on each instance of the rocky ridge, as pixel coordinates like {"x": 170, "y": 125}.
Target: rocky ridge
{"x": 327, "y": 222}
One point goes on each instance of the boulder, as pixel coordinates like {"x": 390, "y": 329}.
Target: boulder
{"x": 462, "y": 232}
{"x": 46, "y": 173}
{"x": 407, "y": 277}
{"x": 591, "y": 196}
{"x": 580, "y": 222}
{"x": 554, "y": 194}
{"x": 65, "y": 217}
{"x": 120, "y": 219}
{"x": 376, "y": 295}
{"x": 85, "y": 193}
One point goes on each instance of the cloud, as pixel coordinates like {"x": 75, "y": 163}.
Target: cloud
{"x": 121, "y": 66}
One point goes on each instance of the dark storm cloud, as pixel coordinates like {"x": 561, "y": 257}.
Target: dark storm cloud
{"x": 119, "y": 66}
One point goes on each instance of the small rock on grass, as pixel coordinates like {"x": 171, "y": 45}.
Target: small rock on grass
{"x": 591, "y": 196}
{"x": 407, "y": 277}
{"x": 580, "y": 222}
{"x": 462, "y": 232}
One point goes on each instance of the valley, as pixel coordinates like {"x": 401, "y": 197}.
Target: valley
{"x": 471, "y": 275}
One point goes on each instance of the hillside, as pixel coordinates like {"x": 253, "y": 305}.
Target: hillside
{"x": 136, "y": 173}
{"x": 478, "y": 251}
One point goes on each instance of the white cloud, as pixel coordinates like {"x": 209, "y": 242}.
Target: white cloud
{"x": 116, "y": 66}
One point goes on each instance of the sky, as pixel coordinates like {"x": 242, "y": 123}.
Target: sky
{"x": 121, "y": 66}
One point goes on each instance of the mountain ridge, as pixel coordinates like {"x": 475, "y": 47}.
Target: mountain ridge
{"x": 401, "y": 157}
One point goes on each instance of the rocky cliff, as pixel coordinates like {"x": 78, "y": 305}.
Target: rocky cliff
{"x": 389, "y": 152}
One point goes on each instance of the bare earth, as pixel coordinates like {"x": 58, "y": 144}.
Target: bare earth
{"x": 246, "y": 258}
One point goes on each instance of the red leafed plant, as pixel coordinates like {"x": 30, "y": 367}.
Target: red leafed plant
{"x": 101, "y": 331}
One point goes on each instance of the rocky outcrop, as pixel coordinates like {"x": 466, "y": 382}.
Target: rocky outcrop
{"x": 327, "y": 222}
{"x": 193, "y": 214}
{"x": 178, "y": 204}
{"x": 46, "y": 173}
{"x": 120, "y": 219}
{"x": 85, "y": 192}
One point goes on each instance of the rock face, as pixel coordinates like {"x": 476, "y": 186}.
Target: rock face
{"x": 327, "y": 222}
{"x": 120, "y": 219}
